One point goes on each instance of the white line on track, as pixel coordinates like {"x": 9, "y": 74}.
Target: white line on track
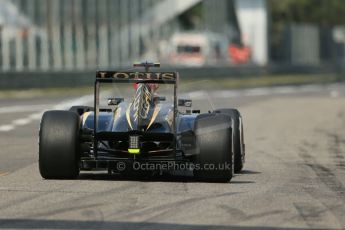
{"x": 334, "y": 93}
{"x": 36, "y": 116}
{"x": 264, "y": 91}
{"x": 197, "y": 95}
{"x": 6, "y": 128}
{"x": 22, "y": 108}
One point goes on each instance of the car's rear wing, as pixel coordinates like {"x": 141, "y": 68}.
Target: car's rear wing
{"x": 137, "y": 77}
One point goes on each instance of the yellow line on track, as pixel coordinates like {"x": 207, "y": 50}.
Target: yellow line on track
{"x": 4, "y": 173}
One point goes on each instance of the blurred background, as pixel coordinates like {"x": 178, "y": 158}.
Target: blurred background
{"x": 43, "y": 39}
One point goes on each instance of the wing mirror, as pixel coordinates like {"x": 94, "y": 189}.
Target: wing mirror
{"x": 115, "y": 100}
{"x": 184, "y": 102}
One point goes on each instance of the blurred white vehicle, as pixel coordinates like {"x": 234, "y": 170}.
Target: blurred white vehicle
{"x": 197, "y": 49}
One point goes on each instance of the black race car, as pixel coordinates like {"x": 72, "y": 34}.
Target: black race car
{"x": 143, "y": 130}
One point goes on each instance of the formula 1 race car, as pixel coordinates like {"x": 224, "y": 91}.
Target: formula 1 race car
{"x": 142, "y": 127}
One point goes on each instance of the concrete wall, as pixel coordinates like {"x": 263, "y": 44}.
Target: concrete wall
{"x": 252, "y": 18}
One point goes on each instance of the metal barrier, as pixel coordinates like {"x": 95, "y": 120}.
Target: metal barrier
{"x": 44, "y": 79}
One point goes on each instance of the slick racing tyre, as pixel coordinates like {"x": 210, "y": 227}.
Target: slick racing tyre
{"x": 59, "y": 145}
{"x": 239, "y": 148}
{"x": 80, "y": 109}
{"x": 214, "y": 155}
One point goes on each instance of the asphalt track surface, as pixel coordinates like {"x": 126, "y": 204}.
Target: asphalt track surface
{"x": 294, "y": 177}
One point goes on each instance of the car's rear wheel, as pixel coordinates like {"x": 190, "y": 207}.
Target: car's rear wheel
{"x": 239, "y": 147}
{"x": 59, "y": 145}
{"x": 214, "y": 156}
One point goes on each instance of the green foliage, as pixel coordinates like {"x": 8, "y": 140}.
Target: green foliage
{"x": 324, "y": 13}
{"x": 321, "y": 12}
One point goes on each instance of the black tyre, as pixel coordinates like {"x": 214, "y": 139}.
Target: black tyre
{"x": 239, "y": 147}
{"x": 214, "y": 148}
{"x": 80, "y": 109}
{"x": 59, "y": 145}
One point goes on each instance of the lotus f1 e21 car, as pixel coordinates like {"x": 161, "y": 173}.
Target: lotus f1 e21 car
{"x": 146, "y": 128}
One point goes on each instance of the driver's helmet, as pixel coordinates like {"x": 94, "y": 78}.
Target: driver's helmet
{"x": 153, "y": 87}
